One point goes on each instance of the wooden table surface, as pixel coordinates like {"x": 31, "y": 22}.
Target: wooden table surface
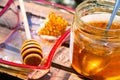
{"x": 61, "y": 67}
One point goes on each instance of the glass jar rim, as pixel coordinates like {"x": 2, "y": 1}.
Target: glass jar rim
{"x": 80, "y": 6}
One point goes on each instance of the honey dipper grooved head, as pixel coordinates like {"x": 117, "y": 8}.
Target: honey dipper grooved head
{"x": 32, "y": 59}
{"x": 27, "y": 42}
{"x": 31, "y": 53}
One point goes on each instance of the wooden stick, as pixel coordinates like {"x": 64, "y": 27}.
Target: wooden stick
{"x": 26, "y": 26}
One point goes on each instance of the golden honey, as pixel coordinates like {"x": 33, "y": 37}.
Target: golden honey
{"x": 95, "y": 60}
{"x": 94, "y": 50}
{"x": 55, "y": 25}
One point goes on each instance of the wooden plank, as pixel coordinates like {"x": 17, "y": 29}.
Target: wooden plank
{"x": 63, "y": 70}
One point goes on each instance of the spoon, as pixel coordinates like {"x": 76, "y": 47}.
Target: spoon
{"x": 115, "y": 10}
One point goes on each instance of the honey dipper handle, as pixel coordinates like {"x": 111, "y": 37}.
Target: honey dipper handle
{"x": 26, "y": 26}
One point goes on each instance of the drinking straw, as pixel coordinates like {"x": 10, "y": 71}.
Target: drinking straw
{"x": 115, "y": 10}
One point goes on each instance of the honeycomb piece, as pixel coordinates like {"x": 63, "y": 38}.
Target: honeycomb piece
{"x": 55, "y": 26}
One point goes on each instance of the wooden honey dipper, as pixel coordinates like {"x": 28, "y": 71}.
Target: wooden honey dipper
{"x": 31, "y": 51}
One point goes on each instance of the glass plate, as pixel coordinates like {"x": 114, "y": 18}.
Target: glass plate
{"x": 12, "y": 39}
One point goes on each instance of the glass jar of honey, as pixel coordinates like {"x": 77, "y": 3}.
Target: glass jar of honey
{"x": 94, "y": 50}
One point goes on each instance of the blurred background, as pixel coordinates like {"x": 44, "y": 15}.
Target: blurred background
{"x": 69, "y": 3}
